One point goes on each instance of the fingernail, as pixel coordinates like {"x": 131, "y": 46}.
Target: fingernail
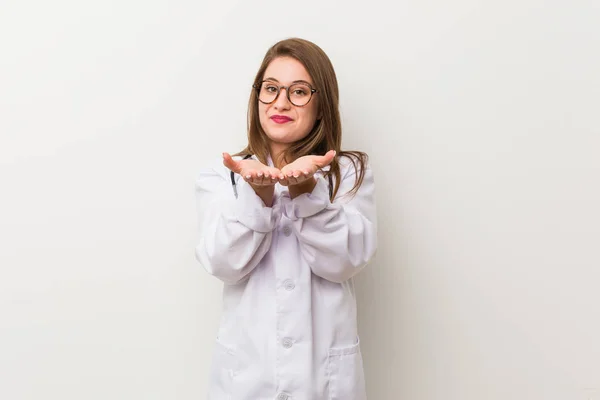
{"x": 247, "y": 176}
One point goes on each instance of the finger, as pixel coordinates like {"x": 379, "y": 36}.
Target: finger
{"x": 292, "y": 179}
{"x": 307, "y": 174}
{"x": 300, "y": 179}
{"x": 249, "y": 176}
{"x": 269, "y": 179}
{"x": 275, "y": 174}
{"x": 230, "y": 163}
{"x": 322, "y": 161}
{"x": 283, "y": 180}
{"x": 260, "y": 177}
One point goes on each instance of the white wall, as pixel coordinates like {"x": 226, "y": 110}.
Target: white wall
{"x": 481, "y": 119}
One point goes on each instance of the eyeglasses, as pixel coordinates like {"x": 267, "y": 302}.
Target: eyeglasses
{"x": 299, "y": 94}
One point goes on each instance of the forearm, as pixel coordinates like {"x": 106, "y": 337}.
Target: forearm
{"x": 231, "y": 252}
{"x": 336, "y": 243}
{"x": 234, "y": 234}
{"x": 337, "y": 239}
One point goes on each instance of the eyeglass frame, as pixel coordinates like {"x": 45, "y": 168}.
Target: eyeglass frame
{"x": 258, "y": 86}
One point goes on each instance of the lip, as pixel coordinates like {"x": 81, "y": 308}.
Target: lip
{"x": 280, "y": 119}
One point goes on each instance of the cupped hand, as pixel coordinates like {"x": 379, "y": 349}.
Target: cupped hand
{"x": 304, "y": 168}
{"x": 252, "y": 171}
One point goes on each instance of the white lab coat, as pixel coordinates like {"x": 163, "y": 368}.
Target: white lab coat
{"x": 288, "y": 328}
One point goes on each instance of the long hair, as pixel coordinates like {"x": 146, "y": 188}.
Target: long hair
{"x": 326, "y": 134}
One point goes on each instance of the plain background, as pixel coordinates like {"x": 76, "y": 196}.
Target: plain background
{"x": 481, "y": 119}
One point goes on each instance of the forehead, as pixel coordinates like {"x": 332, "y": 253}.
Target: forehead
{"x": 287, "y": 70}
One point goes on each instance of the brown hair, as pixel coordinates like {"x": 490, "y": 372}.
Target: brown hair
{"x": 327, "y": 132}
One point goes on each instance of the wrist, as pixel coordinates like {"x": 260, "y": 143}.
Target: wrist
{"x": 262, "y": 188}
{"x": 301, "y": 188}
{"x": 265, "y": 193}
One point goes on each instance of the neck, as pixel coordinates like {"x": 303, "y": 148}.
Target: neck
{"x": 277, "y": 150}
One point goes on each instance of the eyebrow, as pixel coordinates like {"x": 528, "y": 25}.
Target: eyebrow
{"x": 297, "y": 81}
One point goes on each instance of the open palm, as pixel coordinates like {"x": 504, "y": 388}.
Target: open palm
{"x": 304, "y": 168}
{"x": 253, "y": 171}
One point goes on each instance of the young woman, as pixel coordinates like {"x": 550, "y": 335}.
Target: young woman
{"x": 286, "y": 224}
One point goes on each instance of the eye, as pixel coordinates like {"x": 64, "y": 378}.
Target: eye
{"x": 299, "y": 90}
{"x": 270, "y": 88}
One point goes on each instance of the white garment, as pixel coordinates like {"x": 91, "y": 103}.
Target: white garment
{"x": 288, "y": 328}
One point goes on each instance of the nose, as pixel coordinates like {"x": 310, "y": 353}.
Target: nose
{"x": 282, "y": 101}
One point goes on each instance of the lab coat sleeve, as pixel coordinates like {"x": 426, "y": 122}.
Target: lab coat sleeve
{"x": 337, "y": 239}
{"x": 234, "y": 234}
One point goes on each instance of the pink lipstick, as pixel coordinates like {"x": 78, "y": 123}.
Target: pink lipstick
{"x": 280, "y": 119}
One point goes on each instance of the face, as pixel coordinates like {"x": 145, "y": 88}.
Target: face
{"x": 282, "y": 121}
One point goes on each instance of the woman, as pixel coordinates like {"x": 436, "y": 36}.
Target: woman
{"x": 286, "y": 224}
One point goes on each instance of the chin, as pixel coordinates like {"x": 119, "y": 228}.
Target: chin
{"x": 282, "y": 139}
{"x": 281, "y": 135}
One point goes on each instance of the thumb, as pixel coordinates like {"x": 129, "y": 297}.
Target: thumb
{"x": 325, "y": 160}
{"x": 230, "y": 163}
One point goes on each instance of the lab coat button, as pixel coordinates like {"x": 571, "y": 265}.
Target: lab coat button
{"x": 282, "y": 396}
{"x": 287, "y": 343}
{"x": 287, "y": 231}
{"x": 288, "y": 284}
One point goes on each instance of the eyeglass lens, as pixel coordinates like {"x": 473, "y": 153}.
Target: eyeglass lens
{"x": 299, "y": 94}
